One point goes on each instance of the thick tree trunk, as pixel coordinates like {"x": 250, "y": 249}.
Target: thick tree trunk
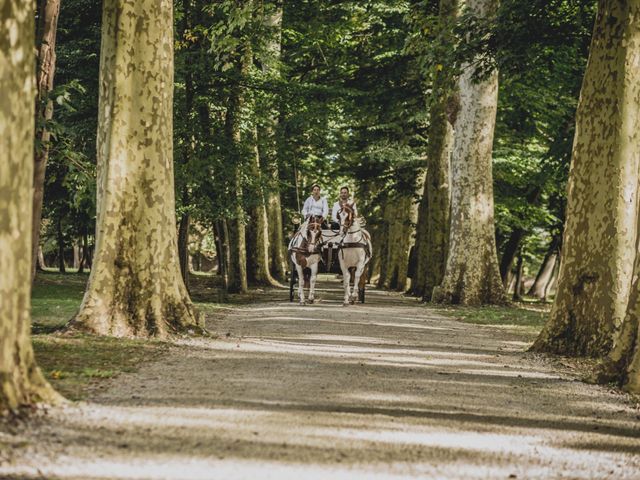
{"x": 600, "y": 233}
{"x": 538, "y": 288}
{"x": 135, "y": 287}
{"x": 48, "y": 13}
{"x": 439, "y": 200}
{"x": 21, "y": 382}
{"x": 432, "y": 233}
{"x": 471, "y": 275}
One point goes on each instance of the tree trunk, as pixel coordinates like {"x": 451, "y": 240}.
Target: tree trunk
{"x": 599, "y": 243}
{"x": 185, "y": 220}
{"x": 471, "y": 274}
{"x": 539, "y": 285}
{"x": 60, "y": 242}
{"x": 40, "y": 264}
{"x": 76, "y": 256}
{"x": 258, "y": 230}
{"x": 84, "y": 258}
{"x": 183, "y": 248}
{"x": 432, "y": 235}
{"x": 48, "y": 13}
{"x": 518, "y": 288}
{"x": 510, "y": 251}
{"x": 135, "y": 287}
{"x": 269, "y": 158}
{"x": 400, "y": 214}
{"x": 21, "y": 382}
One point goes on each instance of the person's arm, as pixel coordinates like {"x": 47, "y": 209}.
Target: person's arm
{"x": 355, "y": 210}
{"x": 325, "y": 208}
{"x": 334, "y": 212}
{"x": 305, "y": 208}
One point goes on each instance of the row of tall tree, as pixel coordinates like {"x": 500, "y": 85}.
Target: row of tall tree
{"x": 271, "y": 96}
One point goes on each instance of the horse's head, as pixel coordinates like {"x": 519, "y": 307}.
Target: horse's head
{"x": 314, "y": 233}
{"x": 346, "y": 215}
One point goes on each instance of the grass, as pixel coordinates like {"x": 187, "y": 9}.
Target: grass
{"x": 526, "y": 316}
{"x": 75, "y": 364}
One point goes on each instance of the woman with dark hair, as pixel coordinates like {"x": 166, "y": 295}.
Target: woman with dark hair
{"x": 315, "y": 205}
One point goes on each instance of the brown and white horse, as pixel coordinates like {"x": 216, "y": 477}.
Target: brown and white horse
{"x": 354, "y": 252}
{"x": 304, "y": 250}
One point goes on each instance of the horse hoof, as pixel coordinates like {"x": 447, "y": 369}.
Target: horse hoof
{"x": 345, "y": 304}
{"x": 302, "y": 302}
{"x": 312, "y": 300}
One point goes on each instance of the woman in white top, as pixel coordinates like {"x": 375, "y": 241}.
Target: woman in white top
{"x": 315, "y": 205}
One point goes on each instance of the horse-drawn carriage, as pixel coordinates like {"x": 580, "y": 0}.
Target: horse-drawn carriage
{"x": 348, "y": 247}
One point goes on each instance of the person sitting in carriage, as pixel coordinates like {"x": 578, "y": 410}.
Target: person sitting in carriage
{"x": 316, "y": 206}
{"x": 343, "y": 199}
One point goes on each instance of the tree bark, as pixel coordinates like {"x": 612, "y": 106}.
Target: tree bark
{"x": 432, "y": 233}
{"x": 471, "y": 274}
{"x": 510, "y": 251}
{"x": 258, "y": 230}
{"x": 183, "y": 248}
{"x": 21, "y": 382}
{"x": 61, "y": 246}
{"x": 518, "y": 288}
{"x": 236, "y": 238}
{"x": 599, "y": 244}
{"x": 48, "y": 13}
{"x": 539, "y": 286}
{"x": 135, "y": 287}
{"x": 40, "y": 263}
{"x": 400, "y": 214}
{"x": 269, "y": 158}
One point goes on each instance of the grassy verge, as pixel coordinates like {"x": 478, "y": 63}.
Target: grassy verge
{"x": 529, "y": 317}
{"x": 75, "y": 364}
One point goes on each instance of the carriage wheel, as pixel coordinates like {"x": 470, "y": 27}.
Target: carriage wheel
{"x": 292, "y": 282}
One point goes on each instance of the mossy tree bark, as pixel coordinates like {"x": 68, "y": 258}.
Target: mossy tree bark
{"x": 599, "y": 244}
{"x": 432, "y": 232}
{"x": 135, "y": 287}
{"x": 471, "y": 274}
{"x": 48, "y": 13}
{"x": 21, "y": 382}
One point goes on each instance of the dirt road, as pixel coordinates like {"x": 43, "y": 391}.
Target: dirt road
{"x": 390, "y": 389}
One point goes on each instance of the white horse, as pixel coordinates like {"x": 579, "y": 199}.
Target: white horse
{"x": 304, "y": 250}
{"x": 354, "y": 252}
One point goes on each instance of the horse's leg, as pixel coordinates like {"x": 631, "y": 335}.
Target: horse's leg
{"x": 345, "y": 281}
{"x": 300, "y": 271}
{"x": 312, "y": 282}
{"x": 356, "y": 279}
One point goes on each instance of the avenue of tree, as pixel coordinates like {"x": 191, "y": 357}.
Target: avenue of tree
{"x": 474, "y": 135}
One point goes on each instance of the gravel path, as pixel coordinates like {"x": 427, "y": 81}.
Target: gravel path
{"x": 385, "y": 390}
